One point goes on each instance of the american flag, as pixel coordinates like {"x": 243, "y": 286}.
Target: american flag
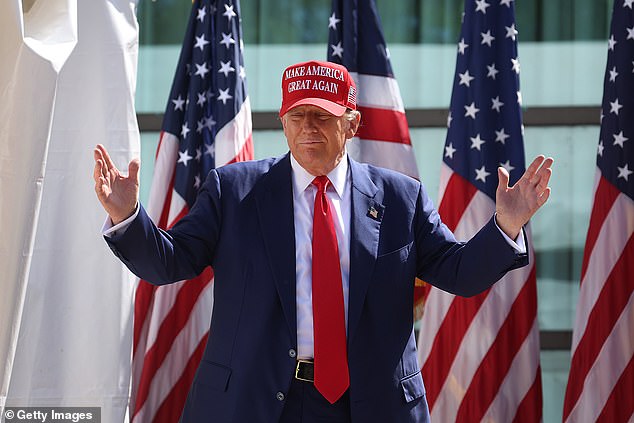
{"x": 601, "y": 381}
{"x": 207, "y": 124}
{"x": 480, "y": 355}
{"x": 355, "y": 40}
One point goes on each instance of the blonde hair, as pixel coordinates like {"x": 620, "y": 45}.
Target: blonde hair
{"x": 351, "y": 117}
{"x": 351, "y": 114}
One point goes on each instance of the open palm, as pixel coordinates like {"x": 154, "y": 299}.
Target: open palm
{"x": 117, "y": 193}
{"x": 517, "y": 204}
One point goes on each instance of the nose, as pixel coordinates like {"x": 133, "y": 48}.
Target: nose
{"x": 309, "y": 123}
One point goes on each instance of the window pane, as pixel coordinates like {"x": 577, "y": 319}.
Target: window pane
{"x": 162, "y": 22}
{"x": 440, "y": 21}
{"x": 555, "y": 369}
{"x": 404, "y": 21}
{"x": 559, "y": 229}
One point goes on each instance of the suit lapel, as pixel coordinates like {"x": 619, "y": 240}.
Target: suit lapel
{"x": 274, "y": 200}
{"x": 366, "y": 223}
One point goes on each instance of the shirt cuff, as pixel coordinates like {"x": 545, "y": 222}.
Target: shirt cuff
{"x": 519, "y": 244}
{"x": 111, "y": 230}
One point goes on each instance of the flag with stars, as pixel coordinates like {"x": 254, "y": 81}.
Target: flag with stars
{"x": 355, "y": 40}
{"x": 207, "y": 124}
{"x": 480, "y": 355}
{"x": 601, "y": 380}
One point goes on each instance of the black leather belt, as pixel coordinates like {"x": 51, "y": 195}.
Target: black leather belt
{"x": 305, "y": 371}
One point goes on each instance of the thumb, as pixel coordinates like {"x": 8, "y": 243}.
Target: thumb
{"x": 133, "y": 169}
{"x": 503, "y": 178}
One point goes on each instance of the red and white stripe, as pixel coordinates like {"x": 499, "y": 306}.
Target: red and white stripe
{"x": 383, "y": 137}
{"x": 480, "y": 355}
{"x": 171, "y": 322}
{"x": 601, "y": 381}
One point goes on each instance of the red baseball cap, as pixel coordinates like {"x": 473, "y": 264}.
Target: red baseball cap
{"x": 323, "y": 84}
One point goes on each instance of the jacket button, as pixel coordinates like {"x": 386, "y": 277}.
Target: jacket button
{"x": 292, "y": 353}
{"x": 279, "y": 396}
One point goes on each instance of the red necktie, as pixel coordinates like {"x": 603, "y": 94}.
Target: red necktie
{"x": 331, "y": 358}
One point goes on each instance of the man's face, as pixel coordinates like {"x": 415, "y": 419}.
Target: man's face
{"x": 316, "y": 138}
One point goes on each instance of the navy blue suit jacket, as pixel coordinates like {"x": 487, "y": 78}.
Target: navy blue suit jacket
{"x": 242, "y": 225}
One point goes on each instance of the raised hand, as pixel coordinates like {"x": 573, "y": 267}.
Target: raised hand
{"x": 517, "y": 204}
{"x": 117, "y": 193}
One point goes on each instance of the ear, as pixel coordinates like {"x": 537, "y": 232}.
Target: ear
{"x": 353, "y": 126}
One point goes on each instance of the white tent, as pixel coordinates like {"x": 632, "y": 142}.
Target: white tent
{"x": 67, "y": 79}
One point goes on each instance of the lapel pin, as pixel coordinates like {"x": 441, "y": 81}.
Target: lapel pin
{"x": 374, "y": 213}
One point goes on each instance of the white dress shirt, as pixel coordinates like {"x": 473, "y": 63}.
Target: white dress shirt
{"x": 338, "y": 192}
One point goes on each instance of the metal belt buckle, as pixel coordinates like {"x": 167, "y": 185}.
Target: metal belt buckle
{"x": 297, "y": 375}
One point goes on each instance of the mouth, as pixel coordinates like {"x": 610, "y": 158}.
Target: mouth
{"x": 305, "y": 142}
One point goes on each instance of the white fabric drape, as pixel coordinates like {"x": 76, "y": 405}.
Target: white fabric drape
{"x": 67, "y": 80}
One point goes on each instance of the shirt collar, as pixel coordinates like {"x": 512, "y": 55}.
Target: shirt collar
{"x": 302, "y": 179}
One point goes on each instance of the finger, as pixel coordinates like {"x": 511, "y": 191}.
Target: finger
{"x": 548, "y": 162}
{"x": 133, "y": 169}
{"x": 532, "y": 169}
{"x": 544, "y": 173}
{"x": 100, "y": 152}
{"x": 104, "y": 171}
{"x": 100, "y": 171}
{"x": 544, "y": 178}
{"x": 97, "y": 171}
{"x": 97, "y": 154}
{"x": 106, "y": 157}
{"x": 503, "y": 178}
{"x": 101, "y": 183}
{"x": 541, "y": 200}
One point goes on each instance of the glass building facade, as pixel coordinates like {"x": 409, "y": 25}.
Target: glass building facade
{"x": 562, "y": 49}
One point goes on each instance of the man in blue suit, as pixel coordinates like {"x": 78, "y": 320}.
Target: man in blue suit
{"x": 269, "y": 228}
